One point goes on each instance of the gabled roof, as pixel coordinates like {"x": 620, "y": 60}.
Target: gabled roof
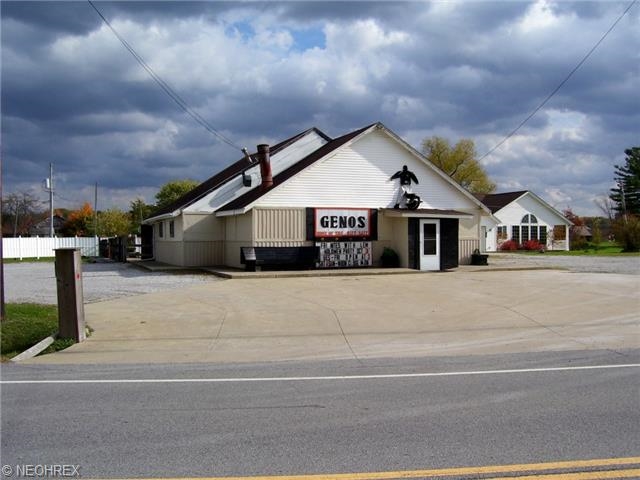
{"x": 226, "y": 175}
{"x": 497, "y": 201}
{"x": 253, "y": 195}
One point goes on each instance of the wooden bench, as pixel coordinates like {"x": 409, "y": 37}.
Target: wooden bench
{"x": 278, "y": 258}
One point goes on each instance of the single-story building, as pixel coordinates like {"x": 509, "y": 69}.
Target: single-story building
{"x": 341, "y": 200}
{"x": 523, "y": 216}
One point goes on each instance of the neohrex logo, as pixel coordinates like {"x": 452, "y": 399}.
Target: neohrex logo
{"x": 342, "y": 222}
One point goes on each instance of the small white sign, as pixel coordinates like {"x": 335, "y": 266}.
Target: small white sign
{"x": 342, "y": 222}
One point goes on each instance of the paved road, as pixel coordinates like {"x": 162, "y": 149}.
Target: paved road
{"x": 306, "y": 426}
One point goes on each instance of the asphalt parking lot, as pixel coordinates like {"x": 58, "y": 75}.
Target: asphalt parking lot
{"x": 205, "y": 320}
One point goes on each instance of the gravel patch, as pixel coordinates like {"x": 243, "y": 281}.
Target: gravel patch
{"x": 36, "y": 282}
{"x": 629, "y": 265}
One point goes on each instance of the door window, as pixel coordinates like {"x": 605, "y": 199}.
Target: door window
{"x": 429, "y": 236}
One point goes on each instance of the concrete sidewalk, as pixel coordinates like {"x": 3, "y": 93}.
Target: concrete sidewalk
{"x": 403, "y": 315}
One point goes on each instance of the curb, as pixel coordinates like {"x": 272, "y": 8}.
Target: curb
{"x": 35, "y": 350}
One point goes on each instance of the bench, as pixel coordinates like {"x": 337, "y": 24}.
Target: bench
{"x": 278, "y": 258}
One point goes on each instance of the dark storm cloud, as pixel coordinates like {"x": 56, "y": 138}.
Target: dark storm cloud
{"x": 263, "y": 71}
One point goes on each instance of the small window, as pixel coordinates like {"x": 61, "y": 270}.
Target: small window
{"x": 525, "y": 233}
{"x": 543, "y": 234}
{"x": 502, "y": 232}
{"x": 172, "y": 229}
{"x": 161, "y": 229}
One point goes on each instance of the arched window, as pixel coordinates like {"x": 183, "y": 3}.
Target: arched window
{"x": 529, "y": 229}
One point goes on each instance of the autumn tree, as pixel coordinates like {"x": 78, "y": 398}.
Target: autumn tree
{"x": 173, "y": 190}
{"x": 459, "y": 162}
{"x": 80, "y": 222}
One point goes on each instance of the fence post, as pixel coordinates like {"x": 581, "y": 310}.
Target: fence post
{"x": 68, "y": 267}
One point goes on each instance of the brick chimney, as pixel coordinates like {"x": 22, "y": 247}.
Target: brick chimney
{"x": 265, "y": 166}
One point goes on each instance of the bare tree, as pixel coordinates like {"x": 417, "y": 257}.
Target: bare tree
{"x": 21, "y": 208}
{"x": 606, "y": 206}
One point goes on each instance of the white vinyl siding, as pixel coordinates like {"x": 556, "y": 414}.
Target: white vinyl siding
{"x": 359, "y": 176}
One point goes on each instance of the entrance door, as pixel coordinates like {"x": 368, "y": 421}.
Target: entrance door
{"x": 429, "y": 244}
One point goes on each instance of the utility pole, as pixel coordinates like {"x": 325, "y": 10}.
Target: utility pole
{"x": 95, "y": 211}
{"x": 48, "y": 187}
{"x": 624, "y": 203}
{"x": 2, "y": 312}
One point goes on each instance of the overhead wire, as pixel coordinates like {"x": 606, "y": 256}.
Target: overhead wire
{"x": 566, "y": 79}
{"x": 165, "y": 86}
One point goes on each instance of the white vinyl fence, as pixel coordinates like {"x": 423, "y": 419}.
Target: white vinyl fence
{"x": 39, "y": 247}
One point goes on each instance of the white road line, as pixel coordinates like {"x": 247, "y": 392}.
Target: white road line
{"x": 321, "y": 378}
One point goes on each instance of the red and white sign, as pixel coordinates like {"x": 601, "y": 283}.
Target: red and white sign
{"x": 342, "y": 222}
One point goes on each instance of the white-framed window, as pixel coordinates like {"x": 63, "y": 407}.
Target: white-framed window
{"x": 172, "y": 229}
{"x": 502, "y": 233}
{"x": 528, "y": 228}
{"x": 161, "y": 229}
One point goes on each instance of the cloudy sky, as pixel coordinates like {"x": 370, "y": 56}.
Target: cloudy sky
{"x": 262, "y": 72}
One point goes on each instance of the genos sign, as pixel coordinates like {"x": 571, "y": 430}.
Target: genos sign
{"x": 342, "y": 222}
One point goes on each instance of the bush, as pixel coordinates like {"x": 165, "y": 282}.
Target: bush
{"x": 627, "y": 233}
{"x": 533, "y": 245}
{"x": 389, "y": 258}
{"x": 509, "y": 246}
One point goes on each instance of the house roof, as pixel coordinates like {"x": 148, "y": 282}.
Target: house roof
{"x": 226, "y": 175}
{"x": 497, "y": 201}
{"x": 253, "y": 195}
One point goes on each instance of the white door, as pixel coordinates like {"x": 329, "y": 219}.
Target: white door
{"x": 429, "y": 244}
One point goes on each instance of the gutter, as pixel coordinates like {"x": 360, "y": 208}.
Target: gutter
{"x": 164, "y": 216}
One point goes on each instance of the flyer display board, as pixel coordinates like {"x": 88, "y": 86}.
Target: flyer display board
{"x": 344, "y": 254}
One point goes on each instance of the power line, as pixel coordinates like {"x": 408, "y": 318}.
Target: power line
{"x": 550, "y": 96}
{"x": 165, "y": 86}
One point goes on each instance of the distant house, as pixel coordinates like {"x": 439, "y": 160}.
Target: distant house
{"x": 337, "y": 199}
{"x": 524, "y": 216}
{"x": 43, "y": 227}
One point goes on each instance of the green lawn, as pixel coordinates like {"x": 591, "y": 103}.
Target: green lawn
{"x": 25, "y": 325}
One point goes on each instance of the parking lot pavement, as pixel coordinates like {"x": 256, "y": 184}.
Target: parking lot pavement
{"x": 430, "y": 314}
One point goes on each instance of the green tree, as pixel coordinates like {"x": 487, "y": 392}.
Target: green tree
{"x": 114, "y": 223}
{"x": 626, "y": 194}
{"x": 459, "y": 162}
{"x": 138, "y": 211}
{"x": 173, "y": 190}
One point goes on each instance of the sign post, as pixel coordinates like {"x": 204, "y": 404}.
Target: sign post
{"x": 70, "y": 296}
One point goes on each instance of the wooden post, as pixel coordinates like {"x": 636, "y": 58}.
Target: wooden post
{"x": 70, "y": 297}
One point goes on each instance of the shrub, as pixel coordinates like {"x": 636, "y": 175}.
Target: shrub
{"x": 390, "y": 258}
{"x": 509, "y": 246}
{"x": 533, "y": 245}
{"x": 627, "y": 233}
